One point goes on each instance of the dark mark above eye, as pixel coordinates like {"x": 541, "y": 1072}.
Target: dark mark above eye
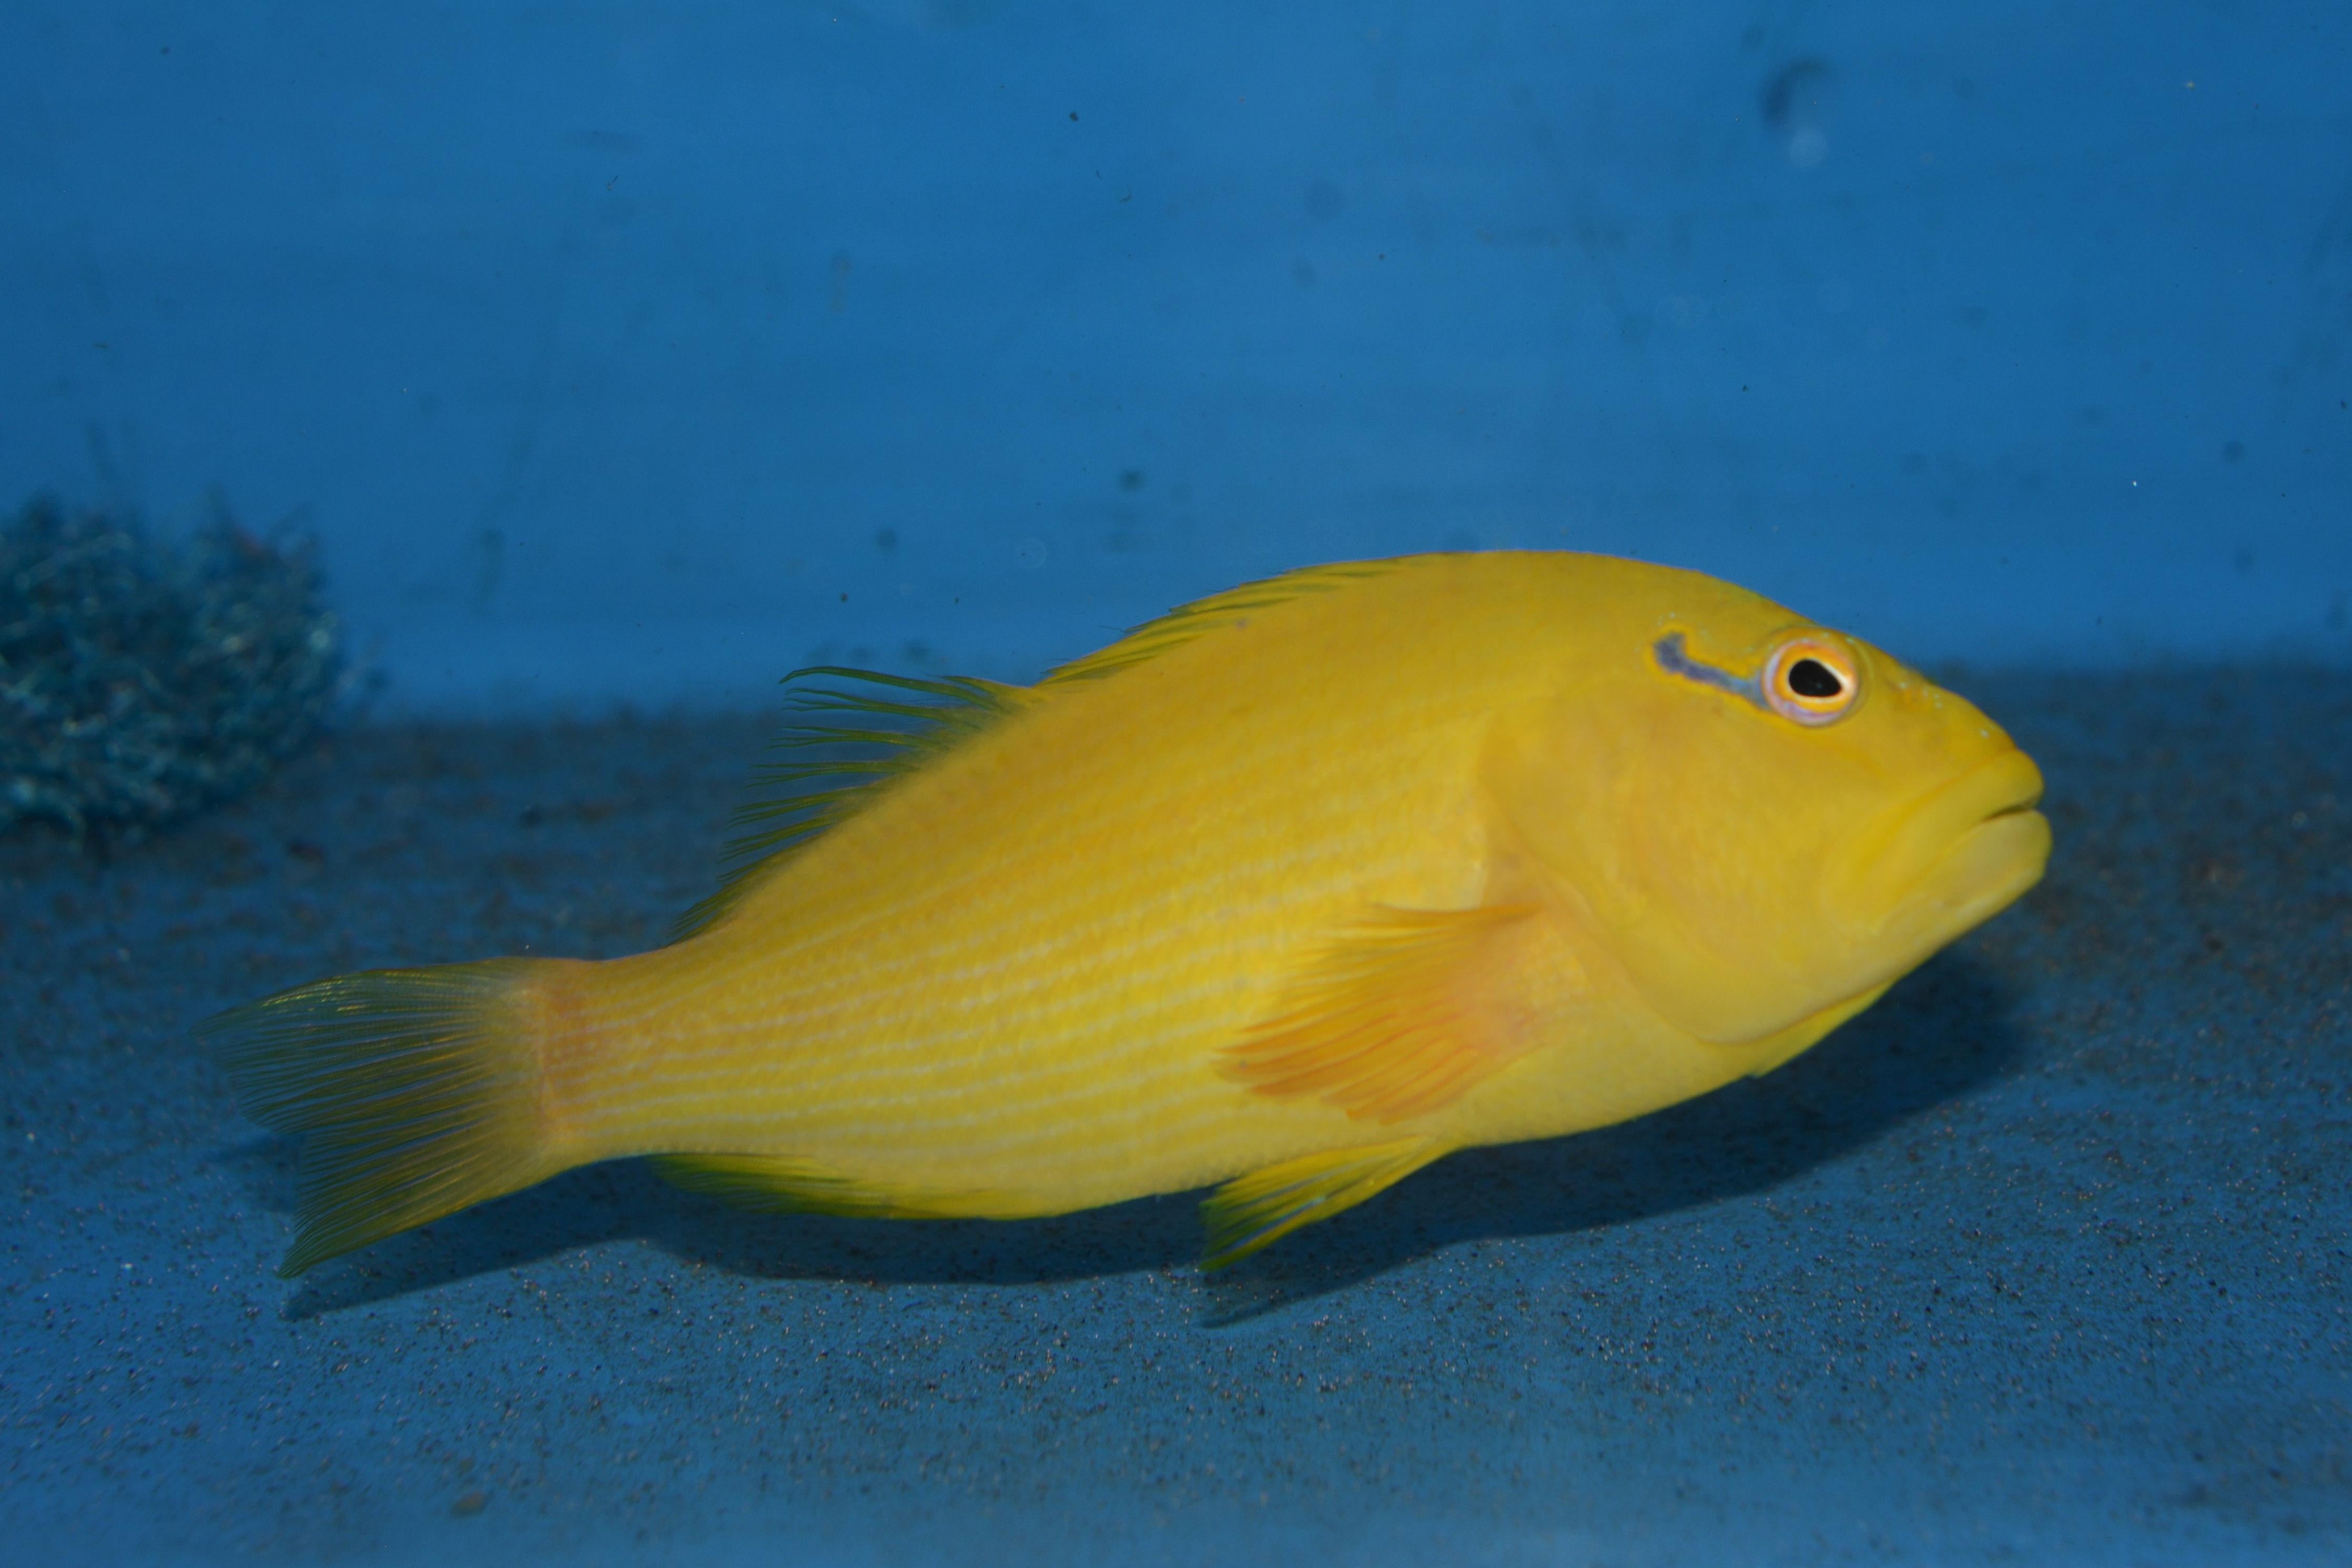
{"x": 1811, "y": 678}
{"x": 1673, "y": 659}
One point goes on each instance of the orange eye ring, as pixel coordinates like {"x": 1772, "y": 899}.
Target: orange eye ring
{"x": 1812, "y": 680}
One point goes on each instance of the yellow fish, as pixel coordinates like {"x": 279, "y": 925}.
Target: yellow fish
{"x": 1296, "y": 890}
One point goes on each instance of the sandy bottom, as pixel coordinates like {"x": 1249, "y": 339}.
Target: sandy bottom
{"x": 2044, "y": 1260}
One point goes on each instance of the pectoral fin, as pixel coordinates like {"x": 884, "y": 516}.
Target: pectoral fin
{"x": 1260, "y": 1209}
{"x": 1405, "y": 1012}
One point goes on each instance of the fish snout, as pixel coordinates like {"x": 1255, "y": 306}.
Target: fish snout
{"x": 1944, "y": 862}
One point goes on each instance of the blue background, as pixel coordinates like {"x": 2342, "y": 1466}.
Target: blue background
{"x": 608, "y": 347}
{"x": 635, "y": 354}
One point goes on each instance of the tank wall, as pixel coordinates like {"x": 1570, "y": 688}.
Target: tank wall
{"x": 643, "y": 352}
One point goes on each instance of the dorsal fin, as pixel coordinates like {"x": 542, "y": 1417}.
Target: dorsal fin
{"x": 1203, "y": 616}
{"x": 851, "y": 747}
{"x": 838, "y": 764}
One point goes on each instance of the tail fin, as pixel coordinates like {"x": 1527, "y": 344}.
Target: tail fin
{"x": 416, "y": 1092}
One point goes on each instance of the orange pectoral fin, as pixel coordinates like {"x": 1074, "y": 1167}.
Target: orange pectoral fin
{"x": 1405, "y": 1014}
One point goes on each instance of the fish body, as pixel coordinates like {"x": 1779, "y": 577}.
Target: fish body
{"x": 1297, "y": 890}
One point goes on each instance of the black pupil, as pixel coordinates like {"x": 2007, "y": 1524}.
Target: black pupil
{"x": 1811, "y": 678}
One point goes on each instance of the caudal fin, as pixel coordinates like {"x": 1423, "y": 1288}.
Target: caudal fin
{"x": 414, "y": 1092}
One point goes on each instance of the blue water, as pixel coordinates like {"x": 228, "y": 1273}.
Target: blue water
{"x": 624, "y": 357}
{"x": 606, "y": 347}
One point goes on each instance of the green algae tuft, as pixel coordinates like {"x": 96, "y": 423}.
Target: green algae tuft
{"x": 140, "y": 680}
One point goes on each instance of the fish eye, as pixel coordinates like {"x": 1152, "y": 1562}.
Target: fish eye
{"x": 1812, "y": 680}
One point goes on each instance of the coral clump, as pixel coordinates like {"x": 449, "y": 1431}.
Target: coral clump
{"x": 140, "y": 682}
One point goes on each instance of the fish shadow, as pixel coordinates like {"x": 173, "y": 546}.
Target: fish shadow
{"x": 624, "y": 1200}
{"x": 1942, "y": 1031}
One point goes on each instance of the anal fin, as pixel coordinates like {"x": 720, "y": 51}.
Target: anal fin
{"x": 1256, "y": 1210}
{"x": 1408, "y": 1011}
{"x": 780, "y": 1184}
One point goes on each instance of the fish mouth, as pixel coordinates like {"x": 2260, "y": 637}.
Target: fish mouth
{"x": 1955, "y": 859}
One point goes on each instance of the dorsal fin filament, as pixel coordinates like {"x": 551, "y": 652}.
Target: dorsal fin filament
{"x": 853, "y": 746}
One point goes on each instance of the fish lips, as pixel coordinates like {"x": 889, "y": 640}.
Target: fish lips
{"x": 1946, "y": 862}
